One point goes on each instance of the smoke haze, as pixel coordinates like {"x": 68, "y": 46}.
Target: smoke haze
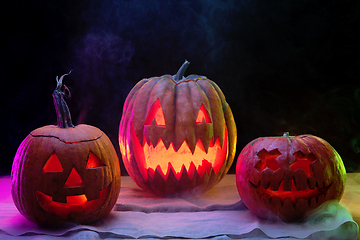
{"x": 283, "y": 66}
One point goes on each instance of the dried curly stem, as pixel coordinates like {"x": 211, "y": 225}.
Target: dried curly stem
{"x": 62, "y": 110}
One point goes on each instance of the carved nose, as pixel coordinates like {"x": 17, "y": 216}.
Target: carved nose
{"x": 74, "y": 179}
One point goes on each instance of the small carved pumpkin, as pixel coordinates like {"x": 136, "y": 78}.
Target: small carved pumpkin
{"x": 177, "y": 134}
{"x": 283, "y": 178}
{"x": 65, "y": 173}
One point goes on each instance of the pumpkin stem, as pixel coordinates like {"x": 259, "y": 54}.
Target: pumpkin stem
{"x": 62, "y": 110}
{"x": 286, "y": 134}
{"x": 180, "y": 74}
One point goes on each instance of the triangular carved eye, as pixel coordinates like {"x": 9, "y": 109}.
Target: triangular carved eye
{"x": 53, "y": 164}
{"x": 155, "y": 113}
{"x": 94, "y": 161}
{"x": 203, "y": 115}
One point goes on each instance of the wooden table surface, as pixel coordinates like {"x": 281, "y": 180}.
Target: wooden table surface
{"x": 351, "y": 198}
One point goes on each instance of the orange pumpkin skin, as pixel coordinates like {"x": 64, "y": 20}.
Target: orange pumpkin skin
{"x": 188, "y": 115}
{"x": 65, "y": 174}
{"x": 284, "y": 178}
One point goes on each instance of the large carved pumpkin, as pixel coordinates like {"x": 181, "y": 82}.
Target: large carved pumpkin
{"x": 65, "y": 173}
{"x": 177, "y": 134}
{"x": 283, "y": 178}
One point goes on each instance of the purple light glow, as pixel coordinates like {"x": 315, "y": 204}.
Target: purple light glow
{"x": 11, "y": 220}
{"x": 5, "y": 186}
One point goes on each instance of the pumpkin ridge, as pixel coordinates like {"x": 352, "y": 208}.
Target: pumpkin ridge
{"x": 184, "y": 128}
{"x": 198, "y": 90}
{"x": 178, "y": 125}
{"x": 310, "y": 173}
{"x": 167, "y": 103}
{"x": 47, "y": 162}
{"x": 213, "y": 96}
{"x": 137, "y": 99}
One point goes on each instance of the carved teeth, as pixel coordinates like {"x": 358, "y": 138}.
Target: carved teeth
{"x": 320, "y": 199}
{"x": 320, "y": 184}
{"x": 276, "y": 202}
{"x": 204, "y": 169}
{"x": 301, "y": 204}
{"x": 297, "y": 204}
{"x": 59, "y": 198}
{"x": 266, "y": 178}
{"x": 287, "y": 183}
{"x": 276, "y": 179}
{"x": 312, "y": 202}
{"x": 300, "y": 179}
{"x": 288, "y": 203}
{"x": 280, "y": 189}
{"x": 92, "y": 195}
{"x": 303, "y": 199}
{"x": 311, "y": 182}
{"x": 265, "y": 199}
{"x": 274, "y": 186}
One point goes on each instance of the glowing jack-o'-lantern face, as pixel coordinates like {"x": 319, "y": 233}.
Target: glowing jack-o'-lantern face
{"x": 168, "y": 159}
{"x": 70, "y": 174}
{"x": 177, "y": 134}
{"x": 283, "y": 178}
{"x": 65, "y": 173}
{"x": 75, "y": 183}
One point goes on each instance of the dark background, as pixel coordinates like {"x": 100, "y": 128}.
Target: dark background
{"x": 282, "y": 65}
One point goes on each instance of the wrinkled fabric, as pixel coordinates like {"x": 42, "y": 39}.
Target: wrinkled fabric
{"x": 216, "y": 214}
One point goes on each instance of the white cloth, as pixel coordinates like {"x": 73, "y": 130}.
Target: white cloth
{"x": 216, "y": 214}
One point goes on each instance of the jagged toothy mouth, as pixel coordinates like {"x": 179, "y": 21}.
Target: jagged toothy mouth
{"x": 158, "y": 157}
{"x": 76, "y": 203}
{"x": 311, "y": 197}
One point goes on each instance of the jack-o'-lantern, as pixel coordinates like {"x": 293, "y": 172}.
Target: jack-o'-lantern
{"x": 284, "y": 178}
{"x": 177, "y": 134}
{"x": 64, "y": 173}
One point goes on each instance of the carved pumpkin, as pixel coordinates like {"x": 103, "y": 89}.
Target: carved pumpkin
{"x": 65, "y": 173}
{"x": 177, "y": 134}
{"x": 283, "y": 178}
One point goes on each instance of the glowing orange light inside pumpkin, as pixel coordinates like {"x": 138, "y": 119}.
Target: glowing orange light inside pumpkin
{"x": 53, "y": 164}
{"x": 155, "y": 113}
{"x": 77, "y": 203}
{"x": 74, "y": 200}
{"x": 74, "y": 179}
{"x": 203, "y": 115}
{"x": 268, "y": 160}
{"x": 303, "y": 161}
{"x": 158, "y": 156}
{"x": 94, "y": 161}
{"x": 293, "y": 194}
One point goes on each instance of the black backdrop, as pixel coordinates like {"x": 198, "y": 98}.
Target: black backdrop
{"x": 282, "y": 65}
